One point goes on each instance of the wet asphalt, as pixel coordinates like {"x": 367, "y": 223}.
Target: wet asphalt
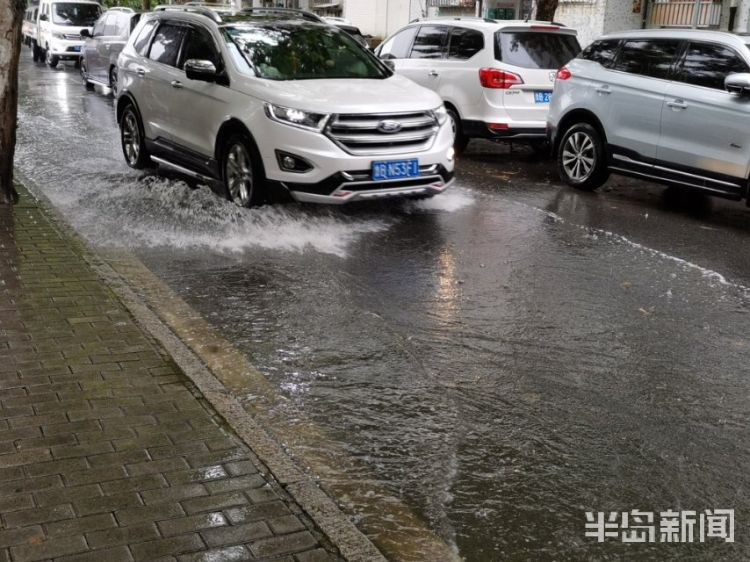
{"x": 503, "y": 358}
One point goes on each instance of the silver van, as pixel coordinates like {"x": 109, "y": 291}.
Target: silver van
{"x": 672, "y": 106}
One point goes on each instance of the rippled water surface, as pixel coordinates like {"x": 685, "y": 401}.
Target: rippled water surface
{"x": 501, "y": 366}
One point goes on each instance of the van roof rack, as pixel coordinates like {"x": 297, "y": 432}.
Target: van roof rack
{"x": 121, "y": 9}
{"x": 192, "y": 9}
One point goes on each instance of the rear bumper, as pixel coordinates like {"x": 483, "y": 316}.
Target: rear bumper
{"x": 346, "y": 187}
{"x": 480, "y": 129}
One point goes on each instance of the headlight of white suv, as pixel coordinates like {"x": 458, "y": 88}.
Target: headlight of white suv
{"x": 441, "y": 114}
{"x": 58, "y": 35}
{"x": 297, "y": 117}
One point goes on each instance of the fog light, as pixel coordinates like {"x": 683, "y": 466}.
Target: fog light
{"x": 451, "y": 154}
{"x": 291, "y": 163}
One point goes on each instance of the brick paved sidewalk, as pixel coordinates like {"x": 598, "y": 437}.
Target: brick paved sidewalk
{"x": 106, "y": 451}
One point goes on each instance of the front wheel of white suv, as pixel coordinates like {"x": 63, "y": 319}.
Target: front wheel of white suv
{"x": 581, "y": 157}
{"x": 460, "y": 141}
{"x": 241, "y": 171}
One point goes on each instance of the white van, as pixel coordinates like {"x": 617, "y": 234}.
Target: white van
{"x": 59, "y": 28}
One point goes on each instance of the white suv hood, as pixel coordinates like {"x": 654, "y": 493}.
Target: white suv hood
{"x": 391, "y": 95}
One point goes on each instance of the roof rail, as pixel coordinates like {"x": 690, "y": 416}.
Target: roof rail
{"x": 212, "y": 5}
{"x": 121, "y": 9}
{"x": 300, "y": 14}
{"x": 208, "y": 12}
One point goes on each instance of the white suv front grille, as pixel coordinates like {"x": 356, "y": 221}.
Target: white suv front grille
{"x": 383, "y": 133}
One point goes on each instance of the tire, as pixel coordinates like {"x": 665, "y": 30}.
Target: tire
{"x": 84, "y": 76}
{"x": 35, "y": 52}
{"x": 113, "y": 81}
{"x": 581, "y": 157}
{"x": 132, "y": 139}
{"x": 461, "y": 141}
{"x": 242, "y": 172}
{"x": 51, "y": 60}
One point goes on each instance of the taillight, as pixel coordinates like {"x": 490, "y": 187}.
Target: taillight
{"x": 498, "y": 79}
{"x": 563, "y": 74}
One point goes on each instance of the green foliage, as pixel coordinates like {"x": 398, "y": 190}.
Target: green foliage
{"x": 135, "y": 4}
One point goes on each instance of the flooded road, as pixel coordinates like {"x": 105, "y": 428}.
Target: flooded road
{"x": 503, "y": 358}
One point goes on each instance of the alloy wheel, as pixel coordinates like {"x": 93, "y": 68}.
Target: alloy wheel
{"x": 131, "y": 137}
{"x": 579, "y": 156}
{"x": 239, "y": 175}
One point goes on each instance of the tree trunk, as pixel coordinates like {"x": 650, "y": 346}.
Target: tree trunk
{"x": 11, "y": 17}
{"x": 545, "y": 10}
{"x": 145, "y": 5}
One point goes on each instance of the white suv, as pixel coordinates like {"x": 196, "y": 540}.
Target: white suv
{"x": 272, "y": 97}
{"x": 666, "y": 105}
{"x": 495, "y": 77}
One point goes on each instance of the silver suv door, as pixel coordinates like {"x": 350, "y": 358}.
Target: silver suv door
{"x": 634, "y": 93}
{"x": 426, "y": 59}
{"x": 704, "y": 128}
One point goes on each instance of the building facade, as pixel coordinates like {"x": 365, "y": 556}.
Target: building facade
{"x": 593, "y": 18}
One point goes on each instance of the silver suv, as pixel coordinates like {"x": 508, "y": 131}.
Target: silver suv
{"x": 663, "y": 105}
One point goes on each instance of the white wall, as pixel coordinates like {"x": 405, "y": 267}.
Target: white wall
{"x": 620, "y": 17}
{"x": 742, "y": 19}
{"x": 382, "y": 17}
{"x": 587, "y": 19}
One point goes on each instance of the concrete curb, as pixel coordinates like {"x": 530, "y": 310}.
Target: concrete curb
{"x": 353, "y": 545}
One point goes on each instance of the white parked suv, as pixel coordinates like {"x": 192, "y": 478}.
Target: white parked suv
{"x": 276, "y": 98}
{"x": 495, "y": 77}
{"x": 59, "y": 29}
{"x": 665, "y": 105}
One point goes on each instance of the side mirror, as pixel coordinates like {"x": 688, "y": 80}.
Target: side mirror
{"x": 85, "y": 33}
{"x": 203, "y": 70}
{"x": 43, "y": 17}
{"x": 390, "y": 64}
{"x": 738, "y": 84}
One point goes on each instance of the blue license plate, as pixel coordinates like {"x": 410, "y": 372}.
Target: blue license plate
{"x": 395, "y": 169}
{"x": 542, "y": 97}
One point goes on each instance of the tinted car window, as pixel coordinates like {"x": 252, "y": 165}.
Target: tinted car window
{"x": 110, "y": 24}
{"x": 649, "y": 58}
{"x": 534, "y": 49}
{"x": 602, "y": 52}
{"x": 708, "y": 65}
{"x": 465, "y": 43}
{"x": 141, "y": 42}
{"x": 398, "y": 46}
{"x": 299, "y": 51}
{"x": 166, "y": 44}
{"x": 99, "y": 26}
{"x": 199, "y": 45}
{"x": 430, "y": 42}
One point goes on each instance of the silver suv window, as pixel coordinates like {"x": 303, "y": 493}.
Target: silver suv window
{"x": 430, "y": 42}
{"x": 603, "y": 51}
{"x": 535, "y": 49}
{"x": 398, "y": 46}
{"x": 648, "y": 57}
{"x": 166, "y": 44}
{"x": 708, "y": 64}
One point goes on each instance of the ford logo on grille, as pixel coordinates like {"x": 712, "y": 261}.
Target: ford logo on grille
{"x": 389, "y": 126}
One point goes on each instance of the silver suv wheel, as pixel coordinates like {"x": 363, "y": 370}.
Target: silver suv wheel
{"x": 582, "y": 157}
{"x": 578, "y": 156}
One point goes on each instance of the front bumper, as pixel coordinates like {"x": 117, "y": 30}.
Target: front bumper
{"x": 66, "y": 50}
{"x": 346, "y": 187}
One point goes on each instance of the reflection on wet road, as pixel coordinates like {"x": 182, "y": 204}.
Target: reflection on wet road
{"x": 504, "y": 357}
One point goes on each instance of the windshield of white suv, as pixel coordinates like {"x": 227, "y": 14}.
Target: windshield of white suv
{"x": 535, "y": 49}
{"x": 83, "y": 15}
{"x": 303, "y": 51}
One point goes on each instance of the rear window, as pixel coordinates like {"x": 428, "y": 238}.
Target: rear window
{"x": 533, "y": 49}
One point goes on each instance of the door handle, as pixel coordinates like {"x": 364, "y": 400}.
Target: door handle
{"x": 604, "y": 90}
{"x": 677, "y": 104}
{"x": 176, "y": 84}
{"x": 140, "y": 71}
{"x": 433, "y": 74}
